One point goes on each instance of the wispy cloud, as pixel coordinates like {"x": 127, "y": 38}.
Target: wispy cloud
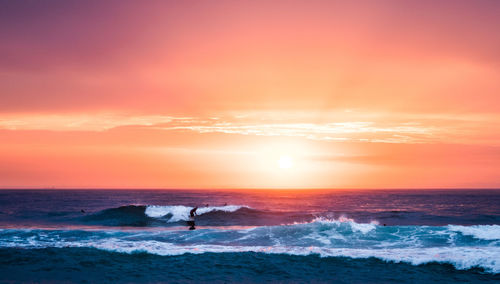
{"x": 342, "y": 131}
{"x": 348, "y": 126}
{"x": 78, "y": 122}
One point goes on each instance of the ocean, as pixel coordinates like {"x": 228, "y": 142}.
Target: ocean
{"x": 357, "y": 236}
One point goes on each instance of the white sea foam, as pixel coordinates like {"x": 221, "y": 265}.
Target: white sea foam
{"x": 355, "y": 227}
{"x": 460, "y": 257}
{"x": 484, "y": 232}
{"x": 180, "y": 212}
{"x": 329, "y": 238}
{"x": 487, "y": 257}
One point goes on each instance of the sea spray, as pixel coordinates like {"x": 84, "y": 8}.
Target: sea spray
{"x": 180, "y": 212}
{"x": 341, "y": 237}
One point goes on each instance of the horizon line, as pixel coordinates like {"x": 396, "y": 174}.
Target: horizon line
{"x": 247, "y": 189}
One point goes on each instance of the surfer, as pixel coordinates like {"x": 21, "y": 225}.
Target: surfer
{"x": 192, "y": 213}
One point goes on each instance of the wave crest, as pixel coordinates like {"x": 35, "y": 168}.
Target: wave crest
{"x": 156, "y": 215}
{"x": 460, "y": 258}
{"x": 355, "y": 227}
{"x": 181, "y": 213}
{"x": 484, "y": 232}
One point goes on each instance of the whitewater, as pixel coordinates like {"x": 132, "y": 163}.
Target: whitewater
{"x": 175, "y": 213}
{"x": 464, "y": 247}
{"x": 352, "y": 237}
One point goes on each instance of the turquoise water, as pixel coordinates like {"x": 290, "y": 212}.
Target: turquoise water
{"x": 346, "y": 237}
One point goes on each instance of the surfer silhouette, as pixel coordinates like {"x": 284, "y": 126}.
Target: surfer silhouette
{"x": 192, "y": 213}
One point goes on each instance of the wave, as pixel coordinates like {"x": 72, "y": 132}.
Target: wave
{"x": 464, "y": 247}
{"x": 156, "y": 215}
{"x": 229, "y": 215}
{"x": 85, "y": 264}
{"x": 460, "y": 258}
{"x": 176, "y": 213}
{"x": 355, "y": 227}
{"x": 234, "y": 215}
{"x": 485, "y": 232}
{"x": 130, "y": 215}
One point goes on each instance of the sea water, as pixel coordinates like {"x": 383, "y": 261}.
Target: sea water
{"x": 411, "y": 236}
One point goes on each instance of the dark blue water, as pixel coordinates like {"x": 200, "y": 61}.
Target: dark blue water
{"x": 347, "y": 237}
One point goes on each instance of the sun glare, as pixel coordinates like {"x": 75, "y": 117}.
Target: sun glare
{"x": 285, "y": 162}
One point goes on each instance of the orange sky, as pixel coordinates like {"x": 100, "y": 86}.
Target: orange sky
{"x": 250, "y": 94}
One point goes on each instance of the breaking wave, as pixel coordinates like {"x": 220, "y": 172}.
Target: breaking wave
{"x": 176, "y": 215}
{"x": 151, "y": 215}
{"x": 462, "y": 246}
{"x": 485, "y": 232}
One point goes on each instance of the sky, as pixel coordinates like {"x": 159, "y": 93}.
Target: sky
{"x": 250, "y": 94}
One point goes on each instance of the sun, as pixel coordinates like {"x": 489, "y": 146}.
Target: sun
{"x": 285, "y": 162}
